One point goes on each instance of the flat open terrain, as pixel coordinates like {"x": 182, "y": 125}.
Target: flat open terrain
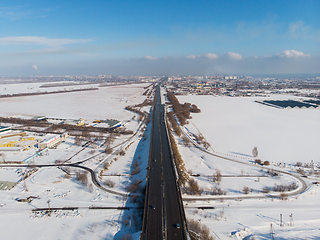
{"x": 107, "y": 102}
{"x": 233, "y": 126}
{"x": 60, "y": 186}
{"x": 236, "y": 125}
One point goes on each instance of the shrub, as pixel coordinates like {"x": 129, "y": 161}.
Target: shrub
{"x": 108, "y": 150}
{"x": 266, "y": 190}
{"x": 135, "y": 167}
{"x": 272, "y": 173}
{"x": 193, "y": 187}
{"x": 255, "y": 152}
{"x": 134, "y": 186}
{"x": 267, "y": 163}
{"x": 245, "y": 190}
{"x": 77, "y": 141}
{"x": 257, "y": 161}
{"x": 186, "y": 141}
{"x": 300, "y": 171}
{"x": 218, "y": 191}
{"x": 67, "y": 176}
{"x": 109, "y": 183}
{"x": 82, "y": 177}
{"x": 218, "y": 176}
{"x": 106, "y": 165}
{"x": 194, "y": 109}
{"x": 283, "y": 188}
{"x": 197, "y": 228}
{"x": 283, "y": 196}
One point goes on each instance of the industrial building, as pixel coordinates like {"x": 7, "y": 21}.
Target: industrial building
{"x": 5, "y": 129}
{"x": 52, "y": 140}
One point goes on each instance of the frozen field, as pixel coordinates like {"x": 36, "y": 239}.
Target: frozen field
{"x": 107, "y": 102}
{"x": 233, "y": 126}
{"x": 236, "y": 125}
{"x": 51, "y": 183}
{"x": 36, "y": 87}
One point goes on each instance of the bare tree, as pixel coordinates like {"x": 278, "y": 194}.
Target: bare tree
{"x": 82, "y": 177}
{"x": 245, "y": 190}
{"x": 255, "y": 152}
{"x": 218, "y": 175}
{"x": 109, "y": 183}
{"x": 193, "y": 187}
{"x": 186, "y": 141}
{"x": 108, "y": 150}
{"x": 77, "y": 141}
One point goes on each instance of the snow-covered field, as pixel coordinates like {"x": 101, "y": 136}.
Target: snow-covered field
{"x": 236, "y": 125}
{"x": 36, "y": 87}
{"x": 105, "y": 103}
{"x": 63, "y": 190}
{"x": 233, "y": 126}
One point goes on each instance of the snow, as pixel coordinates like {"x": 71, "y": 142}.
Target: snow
{"x": 52, "y": 183}
{"x": 236, "y": 125}
{"x": 35, "y": 87}
{"x": 233, "y": 126}
{"x": 105, "y": 103}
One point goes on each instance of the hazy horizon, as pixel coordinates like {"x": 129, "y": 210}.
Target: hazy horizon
{"x": 159, "y": 37}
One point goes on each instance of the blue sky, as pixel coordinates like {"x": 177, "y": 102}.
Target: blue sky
{"x": 159, "y": 37}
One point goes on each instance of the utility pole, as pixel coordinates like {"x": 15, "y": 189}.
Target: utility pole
{"x": 49, "y": 208}
{"x": 281, "y": 224}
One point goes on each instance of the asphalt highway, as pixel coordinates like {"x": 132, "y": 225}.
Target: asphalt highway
{"x": 164, "y": 213}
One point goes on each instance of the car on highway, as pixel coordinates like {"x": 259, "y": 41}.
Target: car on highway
{"x": 176, "y": 225}
{"x": 153, "y": 207}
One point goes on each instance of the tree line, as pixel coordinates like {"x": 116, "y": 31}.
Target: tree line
{"x": 55, "y": 127}
{"x": 182, "y": 111}
{"x": 181, "y": 168}
{"x": 43, "y": 93}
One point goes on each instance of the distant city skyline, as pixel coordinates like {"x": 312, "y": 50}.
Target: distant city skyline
{"x": 159, "y": 37}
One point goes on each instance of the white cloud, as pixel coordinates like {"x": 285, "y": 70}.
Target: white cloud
{"x": 191, "y": 56}
{"x": 211, "y": 56}
{"x": 150, "y": 58}
{"x": 235, "y": 56}
{"x": 208, "y": 55}
{"x": 291, "y": 54}
{"x": 34, "y": 40}
{"x": 35, "y": 67}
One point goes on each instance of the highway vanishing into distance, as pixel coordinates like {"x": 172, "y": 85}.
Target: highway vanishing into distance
{"x": 164, "y": 216}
